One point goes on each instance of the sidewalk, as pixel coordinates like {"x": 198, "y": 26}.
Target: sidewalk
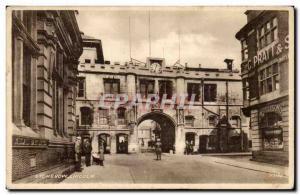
{"x": 246, "y": 163}
{"x": 228, "y": 154}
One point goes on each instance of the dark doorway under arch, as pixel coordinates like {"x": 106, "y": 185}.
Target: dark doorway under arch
{"x": 166, "y": 130}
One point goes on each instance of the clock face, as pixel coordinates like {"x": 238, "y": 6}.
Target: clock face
{"x": 155, "y": 67}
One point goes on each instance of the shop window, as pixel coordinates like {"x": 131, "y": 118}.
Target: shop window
{"x": 112, "y": 86}
{"x": 86, "y": 116}
{"x": 146, "y": 87}
{"x": 272, "y": 131}
{"x": 81, "y": 87}
{"x": 212, "y": 120}
{"x": 189, "y": 120}
{"x": 193, "y": 89}
{"x": 165, "y": 87}
{"x": 267, "y": 33}
{"x": 103, "y": 116}
{"x": 210, "y": 92}
{"x": 269, "y": 79}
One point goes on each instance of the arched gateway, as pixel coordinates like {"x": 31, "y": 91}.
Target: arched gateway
{"x": 186, "y": 106}
{"x": 166, "y": 132}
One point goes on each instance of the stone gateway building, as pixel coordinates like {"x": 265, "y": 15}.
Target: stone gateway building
{"x": 108, "y": 112}
{"x": 46, "y": 46}
{"x": 265, "y": 66}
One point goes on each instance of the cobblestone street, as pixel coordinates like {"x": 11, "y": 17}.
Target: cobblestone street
{"x": 143, "y": 168}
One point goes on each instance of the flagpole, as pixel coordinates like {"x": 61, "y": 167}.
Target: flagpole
{"x": 149, "y": 33}
{"x": 179, "y": 43}
{"x": 129, "y": 29}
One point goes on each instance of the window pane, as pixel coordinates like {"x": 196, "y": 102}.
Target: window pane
{"x": 262, "y": 31}
{"x": 268, "y": 26}
{"x": 269, "y": 85}
{"x": 107, "y": 88}
{"x": 269, "y": 38}
{"x": 276, "y": 82}
{"x": 115, "y": 88}
{"x": 275, "y": 22}
{"x": 143, "y": 90}
{"x": 275, "y": 34}
{"x": 150, "y": 88}
{"x": 262, "y": 42}
{"x": 269, "y": 71}
{"x": 275, "y": 68}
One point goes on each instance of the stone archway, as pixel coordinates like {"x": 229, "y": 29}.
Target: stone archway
{"x": 166, "y": 131}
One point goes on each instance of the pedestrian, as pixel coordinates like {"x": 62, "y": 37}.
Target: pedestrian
{"x": 87, "y": 149}
{"x": 158, "y": 149}
{"x": 78, "y": 151}
{"x": 101, "y": 154}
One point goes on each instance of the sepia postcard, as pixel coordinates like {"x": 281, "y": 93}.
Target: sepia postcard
{"x": 150, "y": 97}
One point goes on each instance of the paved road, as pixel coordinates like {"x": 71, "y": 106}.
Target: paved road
{"x": 143, "y": 168}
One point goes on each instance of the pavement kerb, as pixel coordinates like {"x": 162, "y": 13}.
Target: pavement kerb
{"x": 280, "y": 170}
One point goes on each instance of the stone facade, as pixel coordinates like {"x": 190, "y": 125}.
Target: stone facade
{"x": 202, "y": 122}
{"x": 46, "y": 46}
{"x": 265, "y": 67}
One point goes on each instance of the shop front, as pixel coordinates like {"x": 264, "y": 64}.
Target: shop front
{"x": 273, "y": 130}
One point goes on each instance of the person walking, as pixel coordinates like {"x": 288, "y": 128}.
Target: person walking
{"x": 158, "y": 149}
{"x": 101, "y": 154}
{"x": 87, "y": 149}
{"x": 78, "y": 151}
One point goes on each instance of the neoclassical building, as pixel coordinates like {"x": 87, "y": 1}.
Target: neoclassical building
{"x": 45, "y": 48}
{"x": 214, "y": 123}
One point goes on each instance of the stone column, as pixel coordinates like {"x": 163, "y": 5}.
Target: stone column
{"x": 179, "y": 140}
{"x": 156, "y": 87}
{"x": 17, "y": 82}
{"x": 33, "y": 95}
{"x": 113, "y": 144}
{"x": 133, "y": 146}
{"x": 34, "y": 73}
{"x": 197, "y": 142}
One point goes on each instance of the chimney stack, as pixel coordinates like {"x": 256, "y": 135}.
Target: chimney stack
{"x": 229, "y": 63}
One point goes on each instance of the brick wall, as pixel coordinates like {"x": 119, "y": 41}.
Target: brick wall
{"x": 46, "y": 158}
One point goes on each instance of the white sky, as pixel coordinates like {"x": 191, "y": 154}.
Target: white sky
{"x": 207, "y": 35}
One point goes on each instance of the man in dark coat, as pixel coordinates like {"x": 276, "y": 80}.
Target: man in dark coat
{"x": 158, "y": 149}
{"x": 87, "y": 149}
{"x": 101, "y": 154}
{"x": 78, "y": 151}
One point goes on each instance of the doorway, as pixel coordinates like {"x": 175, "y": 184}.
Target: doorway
{"x": 122, "y": 143}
